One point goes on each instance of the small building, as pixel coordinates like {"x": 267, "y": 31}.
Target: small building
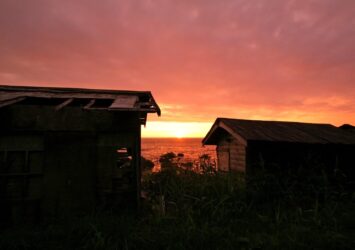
{"x": 67, "y": 151}
{"x": 248, "y": 145}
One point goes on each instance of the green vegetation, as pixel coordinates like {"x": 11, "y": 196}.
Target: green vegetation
{"x": 146, "y": 164}
{"x": 204, "y": 164}
{"x": 187, "y": 210}
{"x": 168, "y": 160}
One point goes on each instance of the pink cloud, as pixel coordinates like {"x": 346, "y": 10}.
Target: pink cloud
{"x": 228, "y": 58}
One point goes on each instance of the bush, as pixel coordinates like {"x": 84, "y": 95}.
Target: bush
{"x": 206, "y": 164}
{"x": 146, "y": 164}
{"x": 166, "y": 160}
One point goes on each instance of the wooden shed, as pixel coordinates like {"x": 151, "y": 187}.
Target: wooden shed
{"x": 248, "y": 145}
{"x": 66, "y": 151}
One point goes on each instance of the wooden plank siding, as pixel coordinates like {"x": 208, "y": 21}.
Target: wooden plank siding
{"x": 223, "y": 159}
{"x": 77, "y": 150}
{"x": 231, "y": 155}
{"x": 237, "y": 156}
{"x": 69, "y": 152}
{"x": 112, "y": 179}
{"x": 69, "y": 177}
{"x": 21, "y": 177}
{"x": 285, "y": 149}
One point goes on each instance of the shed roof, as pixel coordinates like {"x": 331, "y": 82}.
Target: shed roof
{"x": 278, "y": 131}
{"x": 89, "y": 99}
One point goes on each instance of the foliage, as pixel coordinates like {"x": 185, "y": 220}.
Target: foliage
{"x": 206, "y": 164}
{"x": 166, "y": 160}
{"x": 189, "y": 210}
{"x": 146, "y": 164}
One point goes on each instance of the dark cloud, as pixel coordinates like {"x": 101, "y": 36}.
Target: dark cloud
{"x": 275, "y": 59}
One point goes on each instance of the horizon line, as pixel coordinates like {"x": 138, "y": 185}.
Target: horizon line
{"x": 178, "y": 138}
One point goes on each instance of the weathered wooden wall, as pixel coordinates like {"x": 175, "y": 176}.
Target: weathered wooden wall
{"x": 237, "y": 159}
{"x": 63, "y": 163}
{"x": 283, "y": 157}
{"x": 69, "y": 175}
{"x": 21, "y": 177}
{"x": 115, "y": 184}
{"x": 45, "y": 118}
{"x": 231, "y": 155}
{"x": 223, "y": 155}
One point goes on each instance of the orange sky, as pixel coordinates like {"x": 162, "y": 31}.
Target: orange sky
{"x": 273, "y": 60}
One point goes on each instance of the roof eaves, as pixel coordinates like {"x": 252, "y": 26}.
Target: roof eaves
{"x": 210, "y": 132}
{"x": 19, "y": 93}
{"x": 234, "y": 133}
{"x": 219, "y": 123}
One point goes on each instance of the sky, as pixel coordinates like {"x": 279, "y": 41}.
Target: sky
{"x": 290, "y": 60}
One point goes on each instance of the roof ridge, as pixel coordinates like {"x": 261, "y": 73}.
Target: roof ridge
{"x": 66, "y": 89}
{"x": 274, "y": 121}
{"x": 293, "y": 132}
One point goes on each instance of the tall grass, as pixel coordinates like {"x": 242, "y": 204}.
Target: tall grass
{"x": 261, "y": 215}
{"x": 186, "y": 210}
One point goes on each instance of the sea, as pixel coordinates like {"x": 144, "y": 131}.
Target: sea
{"x": 191, "y": 148}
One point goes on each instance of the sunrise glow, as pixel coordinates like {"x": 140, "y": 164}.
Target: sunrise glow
{"x": 180, "y": 134}
{"x": 270, "y": 60}
{"x": 176, "y": 129}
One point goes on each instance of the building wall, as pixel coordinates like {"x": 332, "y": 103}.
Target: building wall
{"x": 45, "y": 118}
{"x": 117, "y": 176}
{"x": 345, "y": 161}
{"x": 21, "y": 177}
{"x": 70, "y": 157}
{"x": 238, "y": 156}
{"x": 231, "y": 155}
{"x": 223, "y": 155}
{"x": 69, "y": 174}
{"x": 283, "y": 157}
{"x": 295, "y": 162}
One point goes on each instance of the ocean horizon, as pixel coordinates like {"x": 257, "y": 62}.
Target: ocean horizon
{"x": 191, "y": 148}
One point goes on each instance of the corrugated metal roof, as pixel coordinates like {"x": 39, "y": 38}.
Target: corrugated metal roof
{"x": 114, "y": 100}
{"x": 253, "y": 130}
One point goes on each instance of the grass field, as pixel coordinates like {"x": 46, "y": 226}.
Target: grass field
{"x": 185, "y": 210}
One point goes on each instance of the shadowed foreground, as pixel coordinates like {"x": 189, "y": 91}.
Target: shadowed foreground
{"x": 185, "y": 210}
